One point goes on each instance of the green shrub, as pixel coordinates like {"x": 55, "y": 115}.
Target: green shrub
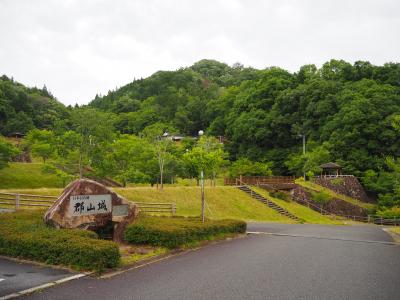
{"x": 281, "y": 195}
{"x": 337, "y": 181}
{"x": 23, "y": 234}
{"x": 321, "y": 197}
{"x": 172, "y": 232}
{"x": 389, "y": 213}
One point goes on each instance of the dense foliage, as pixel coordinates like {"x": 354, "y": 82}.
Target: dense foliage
{"x": 172, "y": 232}
{"x": 348, "y": 113}
{"x": 24, "y": 235}
{"x": 7, "y": 152}
{"x": 22, "y": 108}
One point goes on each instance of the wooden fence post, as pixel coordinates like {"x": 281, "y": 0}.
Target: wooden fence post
{"x": 173, "y": 209}
{"x": 17, "y": 201}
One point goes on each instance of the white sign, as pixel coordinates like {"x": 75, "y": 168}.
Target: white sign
{"x": 83, "y": 205}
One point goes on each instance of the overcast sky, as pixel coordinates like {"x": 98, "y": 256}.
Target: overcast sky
{"x": 78, "y": 48}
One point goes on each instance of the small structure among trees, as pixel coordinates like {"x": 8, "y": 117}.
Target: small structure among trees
{"x": 331, "y": 169}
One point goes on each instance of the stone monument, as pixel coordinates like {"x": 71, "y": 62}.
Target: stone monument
{"x": 87, "y": 204}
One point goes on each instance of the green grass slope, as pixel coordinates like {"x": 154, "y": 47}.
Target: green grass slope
{"x": 25, "y": 175}
{"x": 223, "y": 202}
{"x": 301, "y": 211}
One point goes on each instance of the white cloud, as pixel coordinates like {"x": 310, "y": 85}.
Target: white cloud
{"x": 80, "y": 48}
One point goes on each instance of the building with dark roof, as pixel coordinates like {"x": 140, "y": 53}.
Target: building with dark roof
{"x": 331, "y": 169}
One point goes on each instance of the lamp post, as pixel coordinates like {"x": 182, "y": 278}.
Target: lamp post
{"x": 304, "y": 152}
{"x": 201, "y": 132}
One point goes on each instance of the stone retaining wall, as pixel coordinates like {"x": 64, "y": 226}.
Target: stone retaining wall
{"x": 349, "y": 186}
{"x": 335, "y": 206}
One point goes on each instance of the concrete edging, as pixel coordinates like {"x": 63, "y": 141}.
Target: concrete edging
{"x": 42, "y": 286}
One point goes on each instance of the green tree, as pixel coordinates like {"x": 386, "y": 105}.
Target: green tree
{"x": 7, "y": 152}
{"x": 41, "y": 143}
{"x": 157, "y": 135}
{"x": 45, "y": 151}
{"x": 96, "y": 132}
{"x": 309, "y": 163}
{"x": 207, "y": 156}
{"x": 246, "y": 167}
{"x": 131, "y": 159}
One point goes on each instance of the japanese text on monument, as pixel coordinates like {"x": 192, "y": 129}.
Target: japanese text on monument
{"x": 81, "y": 205}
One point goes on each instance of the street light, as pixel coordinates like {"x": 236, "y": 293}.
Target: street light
{"x": 201, "y": 132}
{"x": 304, "y": 152}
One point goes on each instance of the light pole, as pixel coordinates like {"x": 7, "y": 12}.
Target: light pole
{"x": 304, "y": 153}
{"x": 201, "y": 132}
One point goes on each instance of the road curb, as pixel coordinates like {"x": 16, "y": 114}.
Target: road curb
{"x": 43, "y": 286}
{"x": 395, "y": 236}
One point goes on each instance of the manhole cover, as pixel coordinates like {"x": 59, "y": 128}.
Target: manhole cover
{"x": 9, "y": 275}
{"x": 31, "y": 272}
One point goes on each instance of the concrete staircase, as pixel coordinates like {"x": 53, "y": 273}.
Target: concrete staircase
{"x": 268, "y": 202}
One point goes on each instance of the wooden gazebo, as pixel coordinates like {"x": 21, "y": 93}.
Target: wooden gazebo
{"x": 331, "y": 169}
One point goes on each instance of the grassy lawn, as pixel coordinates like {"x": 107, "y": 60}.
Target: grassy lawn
{"x": 315, "y": 187}
{"x": 301, "y": 211}
{"x": 223, "y": 202}
{"x": 21, "y": 175}
{"x": 395, "y": 233}
{"x": 131, "y": 254}
{"x": 395, "y": 229}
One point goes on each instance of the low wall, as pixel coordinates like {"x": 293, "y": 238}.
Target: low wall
{"x": 345, "y": 185}
{"x": 335, "y": 206}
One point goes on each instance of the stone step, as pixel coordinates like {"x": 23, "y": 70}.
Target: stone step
{"x": 267, "y": 202}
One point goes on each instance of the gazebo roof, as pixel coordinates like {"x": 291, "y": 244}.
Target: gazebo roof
{"x": 16, "y": 134}
{"x": 330, "y": 165}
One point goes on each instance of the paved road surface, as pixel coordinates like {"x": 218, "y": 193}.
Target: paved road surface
{"x": 15, "y": 277}
{"x": 341, "y": 263}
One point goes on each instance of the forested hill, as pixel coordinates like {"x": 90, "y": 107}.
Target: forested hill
{"x": 345, "y": 110}
{"x": 23, "y": 108}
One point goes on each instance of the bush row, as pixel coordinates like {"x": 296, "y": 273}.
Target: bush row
{"x": 172, "y": 232}
{"x": 23, "y": 234}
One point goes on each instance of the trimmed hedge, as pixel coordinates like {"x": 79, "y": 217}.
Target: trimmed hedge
{"x": 172, "y": 232}
{"x": 23, "y": 234}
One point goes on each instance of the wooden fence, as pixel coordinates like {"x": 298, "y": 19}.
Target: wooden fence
{"x": 259, "y": 180}
{"x": 333, "y": 176}
{"x": 151, "y": 207}
{"x": 16, "y": 201}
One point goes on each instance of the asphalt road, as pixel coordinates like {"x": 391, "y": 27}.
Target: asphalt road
{"x": 15, "y": 276}
{"x": 305, "y": 262}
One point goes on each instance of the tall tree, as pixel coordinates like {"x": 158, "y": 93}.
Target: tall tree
{"x": 158, "y": 135}
{"x": 96, "y": 131}
{"x": 7, "y": 152}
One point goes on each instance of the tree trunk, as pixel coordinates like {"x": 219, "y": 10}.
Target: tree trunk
{"x": 80, "y": 165}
